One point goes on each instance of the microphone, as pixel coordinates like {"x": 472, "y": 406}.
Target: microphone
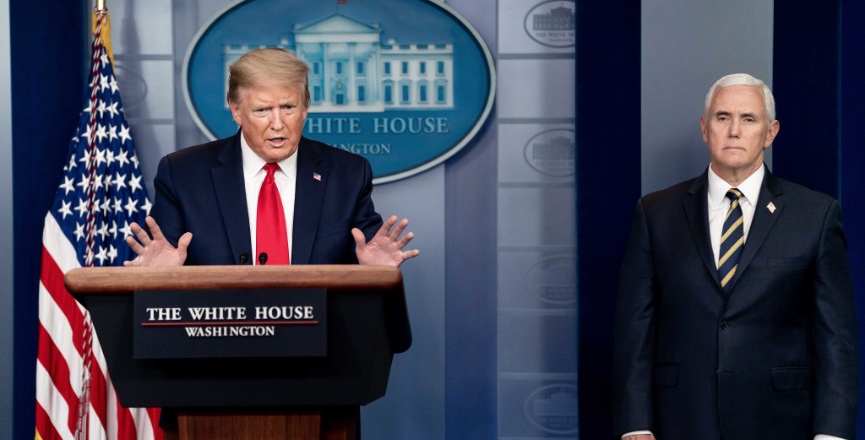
{"x": 243, "y": 258}
{"x": 262, "y": 258}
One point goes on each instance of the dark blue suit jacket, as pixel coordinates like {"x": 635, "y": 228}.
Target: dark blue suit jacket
{"x": 774, "y": 359}
{"x": 200, "y": 190}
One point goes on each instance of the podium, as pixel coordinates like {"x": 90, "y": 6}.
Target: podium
{"x": 297, "y": 398}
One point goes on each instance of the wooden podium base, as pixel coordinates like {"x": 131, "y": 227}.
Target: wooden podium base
{"x": 327, "y": 424}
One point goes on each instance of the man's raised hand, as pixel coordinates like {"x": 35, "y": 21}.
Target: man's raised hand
{"x": 386, "y": 246}
{"x": 156, "y": 251}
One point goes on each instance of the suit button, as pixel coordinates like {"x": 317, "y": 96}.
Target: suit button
{"x": 724, "y": 325}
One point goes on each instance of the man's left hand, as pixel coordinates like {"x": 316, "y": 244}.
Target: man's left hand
{"x": 386, "y": 246}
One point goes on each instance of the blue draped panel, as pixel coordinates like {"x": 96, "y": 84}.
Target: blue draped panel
{"x": 48, "y": 77}
{"x": 852, "y": 162}
{"x": 819, "y": 85}
{"x": 805, "y": 84}
{"x": 608, "y": 186}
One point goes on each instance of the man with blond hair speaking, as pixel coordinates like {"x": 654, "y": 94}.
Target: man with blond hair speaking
{"x": 735, "y": 316}
{"x": 266, "y": 195}
{"x": 213, "y": 191}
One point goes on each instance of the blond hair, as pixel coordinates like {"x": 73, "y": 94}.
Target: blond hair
{"x": 260, "y": 66}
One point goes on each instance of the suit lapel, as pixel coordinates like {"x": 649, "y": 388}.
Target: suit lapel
{"x": 764, "y": 218}
{"x": 231, "y": 195}
{"x": 309, "y": 197}
{"x": 697, "y": 211}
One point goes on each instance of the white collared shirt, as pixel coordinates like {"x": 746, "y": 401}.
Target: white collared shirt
{"x": 253, "y": 177}
{"x": 719, "y": 204}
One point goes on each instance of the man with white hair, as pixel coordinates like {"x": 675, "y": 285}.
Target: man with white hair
{"x": 735, "y": 316}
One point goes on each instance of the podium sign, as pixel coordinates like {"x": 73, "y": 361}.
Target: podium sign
{"x": 229, "y": 323}
{"x": 366, "y": 323}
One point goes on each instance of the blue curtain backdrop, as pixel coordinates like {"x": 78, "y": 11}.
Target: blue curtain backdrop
{"x": 852, "y": 161}
{"x": 819, "y": 87}
{"x": 49, "y": 63}
{"x": 608, "y": 186}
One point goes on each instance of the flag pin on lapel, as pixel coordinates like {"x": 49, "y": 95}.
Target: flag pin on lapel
{"x": 317, "y": 176}
{"x": 771, "y": 207}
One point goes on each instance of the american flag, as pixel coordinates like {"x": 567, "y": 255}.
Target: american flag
{"x": 101, "y": 193}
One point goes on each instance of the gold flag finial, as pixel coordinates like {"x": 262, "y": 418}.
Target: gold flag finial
{"x": 100, "y": 15}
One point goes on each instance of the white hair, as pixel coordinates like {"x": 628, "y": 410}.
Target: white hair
{"x": 742, "y": 79}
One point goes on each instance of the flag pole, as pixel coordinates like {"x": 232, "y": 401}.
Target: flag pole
{"x": 100, "y": 10}
{"x": 82, "y": 426}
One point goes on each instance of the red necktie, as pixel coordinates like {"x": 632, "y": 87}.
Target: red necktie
{"x": 270, "y": 235}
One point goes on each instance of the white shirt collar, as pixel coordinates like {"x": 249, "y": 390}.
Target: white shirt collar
{"x": 750, "y": 188}
{"x": 252, "y": 163}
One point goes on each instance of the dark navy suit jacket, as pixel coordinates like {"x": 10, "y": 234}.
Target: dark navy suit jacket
{"x": 200, "y": 189}
{"x": 776, "y": 358}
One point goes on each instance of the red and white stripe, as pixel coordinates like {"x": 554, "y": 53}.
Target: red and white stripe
{"x": 60, "y": 369}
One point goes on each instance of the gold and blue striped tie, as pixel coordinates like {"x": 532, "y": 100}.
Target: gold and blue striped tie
{"x": 732, "y": 240}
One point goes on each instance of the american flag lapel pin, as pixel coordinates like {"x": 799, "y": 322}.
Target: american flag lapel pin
{"x": 317, "y": 177}
{"x": 771, "y": 207}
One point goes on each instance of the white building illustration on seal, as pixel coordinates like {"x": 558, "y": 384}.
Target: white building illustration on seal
{"x": 351, "y": 70}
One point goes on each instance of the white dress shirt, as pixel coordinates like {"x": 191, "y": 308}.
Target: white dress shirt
{"x": 718, "y": 206}
{"x": 253, "y": 177}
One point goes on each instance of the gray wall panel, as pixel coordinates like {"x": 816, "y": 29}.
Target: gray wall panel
{"x": 536, "y": 217}
{"x": 536, "y": 88}
{"x": 686, "y": 46}
{"x": 414, "y": 405}
{"x": 6, "y": 228}
{"x": 537, "y": 153}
